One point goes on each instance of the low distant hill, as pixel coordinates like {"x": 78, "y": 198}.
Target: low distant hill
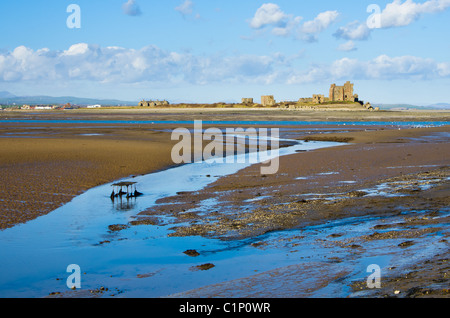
{"x": 438, "y": 106}
{"x": 4, "y": 94}
{"x": 7, "y": 98}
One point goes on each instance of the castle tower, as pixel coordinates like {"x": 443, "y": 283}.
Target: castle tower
{"x": 331, "y": 96}
{"x": 267, "y": 100}
{"x": 342, "y": 93}
{"x": 348, "y": 92}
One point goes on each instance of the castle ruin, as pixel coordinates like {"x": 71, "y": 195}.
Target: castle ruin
{"x": 318, "y": 99}
{"x": 342, "y": 93}
{"x": 336, "y": 94}
{"x": 150, "y": 103}
{"x": 268, "y": 100}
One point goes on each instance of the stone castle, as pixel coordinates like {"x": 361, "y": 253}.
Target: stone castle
{"x": 268, "y": 101}
{"x": 339, "y": 97}
{"x": 336, "y": 94}
{"x": 342, "y": 93}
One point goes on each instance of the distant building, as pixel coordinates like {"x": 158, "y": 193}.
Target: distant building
{"x": 247, "y": 101}
{"x": 144, "y": 103}
{"x": 318, "y": 99}
{"x": 337, "y": 94}
{"x": 342, "y": 93}
{"x": 150, "y": 103}
{"x": 94, "y": 106}
{"x": 305, "y": 100}
{"x": 267, "y": 100}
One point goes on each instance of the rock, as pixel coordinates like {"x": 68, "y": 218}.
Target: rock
{"x": 205, "y": 267}
{"x": 256, "y": 244}
{"x": 117, "y": 227}
{"x": 406, "y": 244}
{"x": 357, "y": 193}
{"x": 192, "y": 253}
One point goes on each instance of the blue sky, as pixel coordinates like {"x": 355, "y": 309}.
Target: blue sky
{"x": 216, "y": 50}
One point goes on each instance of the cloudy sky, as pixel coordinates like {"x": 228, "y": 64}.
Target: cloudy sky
{"x": 395, "y": 51}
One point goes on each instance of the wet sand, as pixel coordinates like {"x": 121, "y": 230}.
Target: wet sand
{"x": 369, "y": 159}
{"x": 325, "y": 185}
{"x": 40, "y": 174}
{"x": 45, "y": 167}
{"x": 230, "y": 114}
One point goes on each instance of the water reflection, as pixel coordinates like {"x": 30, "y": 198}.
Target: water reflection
{"x": 124, "y": 204}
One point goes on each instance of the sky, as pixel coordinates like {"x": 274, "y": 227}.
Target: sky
{"x": 204, "y": 51}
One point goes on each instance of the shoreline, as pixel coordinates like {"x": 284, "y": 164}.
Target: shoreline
{"x": 231, "y": 113}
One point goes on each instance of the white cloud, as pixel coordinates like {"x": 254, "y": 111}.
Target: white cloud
{"x": 320, "y": 23}
{"x": 310, "y": 29}
{"x": 287, "y": 29}
{"x": 185, "y": 8}
{"x": 443, "y": 69}
{"x": 131, "y": 8}
{"x": 283, "y": 24}
{"x": 268, "y": 14}
{"x": 400, "y": 13}
{"x": 382, "y": 67}
{"x": 94, "y": 64}
{"x": 353, "y": 31}
{"x": 347, "y": 46}
{"x": 386, "y": 67}
{"x": 77, "y": 49}
{"x": 395, "y": 14}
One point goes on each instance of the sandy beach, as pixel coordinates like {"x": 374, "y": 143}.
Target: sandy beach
{"x": 44, "y": 165}
{"x": 311, "y": 189}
